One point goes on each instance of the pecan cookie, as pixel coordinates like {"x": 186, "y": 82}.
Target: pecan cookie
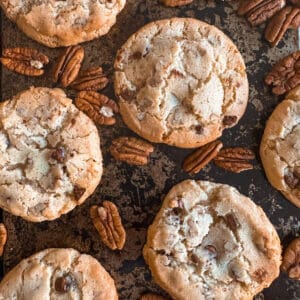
{"x": 63, "y": 23}
{"x": 58, "y": 274}
{"x": 50, "y": 155}
{"x": 208, "y": 241}
{"x": 181, "y": 82}
{"x": 280, "y": 147}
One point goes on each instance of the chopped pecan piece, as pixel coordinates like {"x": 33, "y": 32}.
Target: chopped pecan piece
{"x": 291, "y": 259}
{"x": 235, "y": 159}
{"x": 25, "y": 61}
{"x": 151, "y": 296}
{"x": 258, "y": 11}
{"x": 68, "y": 66}
{"x": 285, "y": 75}
{"x": 97, "y": 106}
{"x": 59, "y": 154}
{"x": 90, "y": 80}
{"x": 201, "y": 157}
{"x": 174, "y": 3}
{"x": 131, "y": 150}
{"x": 108, "y": 223}
{"x": 3, "y": 237}
{"x": 286, "y": 18}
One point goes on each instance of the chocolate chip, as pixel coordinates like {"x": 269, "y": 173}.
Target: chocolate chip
{"x": 212, "y": 250}
{"x": 291, "y": 180}
{"x": 177, "y": 211}
{"x": 136, "y": 55}
{"x": 195, "y": 259}
{"x": 231, "y": 222}
{"x": 199, "y": 129}
{"x": 65, "y": 283}
{"x": 229, "y": 120}
{"x": 128, "y": 95}
{"x": 59, "y": 154}
{"x": 78, "y": 191}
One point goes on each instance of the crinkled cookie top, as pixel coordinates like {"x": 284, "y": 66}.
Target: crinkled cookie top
{"x": 64, "y": 22}
{"x": 50, "y": 157}
{"x": 210, "y": 242}
{"x": 58, "y": 274}
{"x": 180, "y": 82}
{"x": 280, "y": 147}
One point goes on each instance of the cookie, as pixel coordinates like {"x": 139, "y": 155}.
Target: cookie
{"x": 280, "y": 147}
{"x": 63, "y": 23}
{"x": 181, "y": 82}
{"x": 50, "y": 156}
{"x": 58, "y": 274}
{"x": 208, "y": 241}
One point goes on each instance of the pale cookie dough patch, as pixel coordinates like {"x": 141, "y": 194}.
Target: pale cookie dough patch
{"x": 50, "y": 159}
{"x": 280, "y": 147}
{"x": 180, "y": 82}
{"x": 210, "y": 242}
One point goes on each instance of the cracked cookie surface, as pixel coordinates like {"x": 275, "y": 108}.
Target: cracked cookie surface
{"x": 58, "y": 274}
{"x": 180, "y": 81}
{"x": 63, "y": 23}
{"x": 280, "y": 147}
{"x": 50, "y": 156}
{"x": 208, "y": 241}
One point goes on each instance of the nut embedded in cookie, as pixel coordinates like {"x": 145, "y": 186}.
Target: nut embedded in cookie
{"x": 291, "y": 259}
{"x": 25, "y": 61}
{"x": 97, "y": 106}
{"x": 131, "y": 150}
{"x": 68, "y": 65}
{"x": 108, "y": 223}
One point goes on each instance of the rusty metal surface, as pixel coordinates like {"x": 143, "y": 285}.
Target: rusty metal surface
{"x": 138, "y": 191}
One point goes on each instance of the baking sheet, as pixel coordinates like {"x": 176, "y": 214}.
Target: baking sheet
{"x": 138, "y": 191}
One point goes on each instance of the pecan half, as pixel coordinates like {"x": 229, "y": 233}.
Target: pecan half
{"x": 68, "y": 66}
{"x": 151, "y": 296}
{"x": 235, "y": 159}
{"x": 3, "y": 237}
{"x": 90, "y": 80}
{"x": 285, "y": 75}
{"x": 201, "y": 157}
{"x": 108, "y": 223}
{"x": 25, "y": 61}
{"x": 258, "y": 11}
{"x": 97, "y": 106}
{"x": 286, "y": 18}
{"x": 174, "y": 3}
{"x": 131, "y": 150}
{"x": 291, "y": 259}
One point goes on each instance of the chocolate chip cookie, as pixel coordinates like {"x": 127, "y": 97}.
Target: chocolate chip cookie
{"x": 181, "y": 82}
{"x": 58, "y": 274}
{"x": 208, "y": 241}
{"x": 50, "y": 156}
{"x": 280, "y": 147}
{"x": 63, "y": 23}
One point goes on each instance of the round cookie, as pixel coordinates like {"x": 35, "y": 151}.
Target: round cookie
{"x": 181, "y": 82}
{"x": 50, "y": 156}
{"x": 58, "y": 274}
{"x": 208, "y": 241}
{"x": 63, "y": 23}
{"x": 280, "y": 147}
